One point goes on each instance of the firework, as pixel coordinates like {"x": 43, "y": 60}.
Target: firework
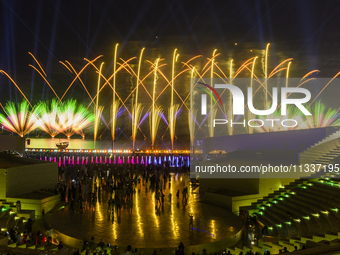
{"x": 321, "y": 117}
{"x": 173, "y": 110}
{"x": 269, "y": 126}
{"x": 50, "y": 118}
{"x": 98, "y": 109}
{"x": 66, "y": 117}
{"x": 137, "y": 109}
{"x": 156, "y": 112}
{"x": 115, "y": 104}
{"x": 135, "y": 118}
{"x": 19, "y": 119}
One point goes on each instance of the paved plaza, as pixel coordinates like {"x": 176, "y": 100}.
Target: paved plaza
{"x": 142, "y": 221}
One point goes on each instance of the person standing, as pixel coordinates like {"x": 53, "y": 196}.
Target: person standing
{"x": 191, "y": 221}
{"x": 128, "y": 250}
{"x": 161, "y": 185}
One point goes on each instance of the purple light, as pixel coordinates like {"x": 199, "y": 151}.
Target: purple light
{"x": 144, "y": 118}
{"x": 164, "y": 118}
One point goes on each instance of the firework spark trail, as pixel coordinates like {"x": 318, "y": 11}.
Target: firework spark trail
{"x": 115, "y": 104}
{"x": 266, "y": 76}
{"x": 98, "y": 109}
{"x": 244, "y": 66}
{"x": 168, "y": 82}
{"x": 38, "y": 63}
{"x": 79, "y": 73}
{"x": 81, "y": 81}
{"x": 46, "y": 81}
{"x": 107, "y": 83}
{"x": 22, "y": 93}
{"x": 172, "y": 112}
{"x": 135, "y": 118}
{"x": 125, "y": 64}
{"x": 61, "y": 62}
{"x": 156, "y": 112}
{"x": 325, "y": 87}
{"x": 251, "y": 115}
{"x": 137, "y": 109}
{"x": 212, "y": 108}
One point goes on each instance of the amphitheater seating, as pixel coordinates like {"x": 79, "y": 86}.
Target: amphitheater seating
{"x": 318, "y": 244}
{"x": 9, "y": 216}
{"x": 306, "y": 211}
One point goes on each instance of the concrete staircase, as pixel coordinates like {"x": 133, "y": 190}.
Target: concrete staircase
{"x": 307, "y": 209}
{"x": 10, "y": 217}
{"x": 13, "y": 248}
{"x": 318, "y": 244}
{"x": 314, "y": 206}
{"x": 322, "y": 151}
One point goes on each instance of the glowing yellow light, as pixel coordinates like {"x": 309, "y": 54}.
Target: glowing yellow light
{"x": 115, "y": 104}
{"x": 137, "y": 111}
{"x": 211, "y": 128}
{"x": 156, "y": 112}
{"x": 266, "y": 75}
{"x": 173, "y": 108}
{"x": 287, "y": 74}
{"x": 98, "y": 109}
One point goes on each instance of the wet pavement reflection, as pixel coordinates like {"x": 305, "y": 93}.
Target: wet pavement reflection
{"x": 147, "y": 218}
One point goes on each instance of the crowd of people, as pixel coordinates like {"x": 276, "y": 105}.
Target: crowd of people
{"x": 81, "y": 185}
{"x": 28, "y": 236}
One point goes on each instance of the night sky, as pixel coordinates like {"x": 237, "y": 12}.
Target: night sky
{"x": 73, "y": 30}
